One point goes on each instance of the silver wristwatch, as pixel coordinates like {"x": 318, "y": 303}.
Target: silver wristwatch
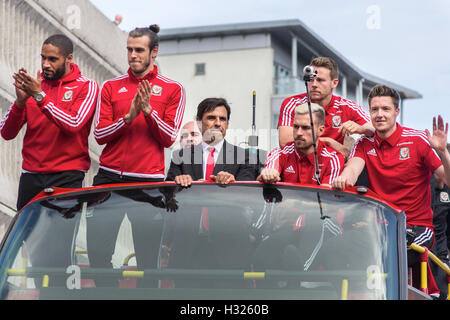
{"x": 38, "y": 97}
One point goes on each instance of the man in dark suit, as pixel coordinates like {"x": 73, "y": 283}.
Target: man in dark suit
{"x": 229, "y": 162}
{"x": 206, "y": 236}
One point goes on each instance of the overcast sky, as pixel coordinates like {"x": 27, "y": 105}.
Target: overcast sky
{"x": 405, "y": 42}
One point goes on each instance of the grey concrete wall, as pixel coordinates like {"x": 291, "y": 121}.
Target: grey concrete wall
{"x": 24, "y": 24}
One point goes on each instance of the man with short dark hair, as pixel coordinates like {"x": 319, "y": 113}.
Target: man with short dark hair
{"x": 57, "y": 107}
{"x": 214, "y": 158}
{"x": 343, "y": 117}
{"x": 399, "y": 163}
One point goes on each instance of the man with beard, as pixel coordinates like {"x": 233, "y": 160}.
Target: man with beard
{"x": 295, "y": 161}
{"x": 138, "y": 115}
{"x": 57, "y": 107}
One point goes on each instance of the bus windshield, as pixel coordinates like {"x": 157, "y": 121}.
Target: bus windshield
{"x": 243, "y": 241}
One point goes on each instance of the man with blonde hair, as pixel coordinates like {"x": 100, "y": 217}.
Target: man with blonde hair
{"x": 295, "y": 161}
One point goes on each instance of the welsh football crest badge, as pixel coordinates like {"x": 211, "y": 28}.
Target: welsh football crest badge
{"x": 156, "y": 90}
{"x": 336, "y": 121}
{"x": 68, "y": 95}
{"x": 404, "y": 153}
{"x": 444, "y": 197}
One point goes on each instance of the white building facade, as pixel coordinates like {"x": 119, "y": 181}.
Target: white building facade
{"x": 233, "y": 60}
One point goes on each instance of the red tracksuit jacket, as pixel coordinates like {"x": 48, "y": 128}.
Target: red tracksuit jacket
{"x": 137, "y": 149}
{"x": 57, "y": 131}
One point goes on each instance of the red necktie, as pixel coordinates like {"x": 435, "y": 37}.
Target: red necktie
{"x": 204, "y": 223}
{"x": 210, "y": 163}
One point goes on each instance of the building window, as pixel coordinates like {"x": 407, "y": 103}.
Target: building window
{"x": 281, "y": 72}
{"x": 200, "y": 69}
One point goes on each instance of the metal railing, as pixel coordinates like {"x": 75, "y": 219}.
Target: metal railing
{"x": 424, "y": 255}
